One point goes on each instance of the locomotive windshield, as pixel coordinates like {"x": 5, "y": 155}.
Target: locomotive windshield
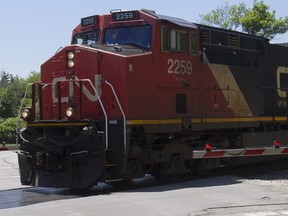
{"x": 134, "y": 35}
{"x": 90, "y": 37}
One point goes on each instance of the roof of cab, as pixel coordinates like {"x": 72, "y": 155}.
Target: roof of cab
{"x": 174, "y": 20}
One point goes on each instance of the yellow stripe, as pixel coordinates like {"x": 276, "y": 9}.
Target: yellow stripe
{"x": 168, "y": 121}
{"x": 280, "y": 118}
{"x": 206, "y": 120}
{"x": 246, "y": 119}
{"x": 216, "y": 120}
{"x": 159, "y": 121}
{"x": 266, "y": 119}
{"x": 198, "y": 120}
{"x": 251, "y": 119}
{"x": 56, "y": 124}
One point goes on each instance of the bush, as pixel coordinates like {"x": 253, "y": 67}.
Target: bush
{"x": 8, "y": 129}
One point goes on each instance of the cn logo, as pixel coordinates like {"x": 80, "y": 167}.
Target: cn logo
{"x": 282, "y": 81}
{"x": 91, "y": 95}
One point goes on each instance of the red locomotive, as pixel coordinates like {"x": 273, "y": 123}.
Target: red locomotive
{"x": 140, "y": 93}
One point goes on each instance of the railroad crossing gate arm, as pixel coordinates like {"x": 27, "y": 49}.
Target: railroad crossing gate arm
{"x": 226, "y": 153}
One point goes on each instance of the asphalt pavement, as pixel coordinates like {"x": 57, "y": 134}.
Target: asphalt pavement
{"x": 221, "y": 195}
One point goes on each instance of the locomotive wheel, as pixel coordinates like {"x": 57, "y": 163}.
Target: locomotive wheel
{"x": 201, "y": 168}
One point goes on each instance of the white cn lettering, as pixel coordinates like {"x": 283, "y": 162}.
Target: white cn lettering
{"x": 54, "y": 90}
{"x": 91, "y": 95}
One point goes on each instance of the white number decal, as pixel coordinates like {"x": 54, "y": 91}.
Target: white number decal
{"x": 88, "y": 21}
{"x": 124, "y": 16}
{"x": 179, "y": 67}
{"x": 170, "y": 69}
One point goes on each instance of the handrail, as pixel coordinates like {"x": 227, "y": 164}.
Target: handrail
{"x": 103, "y": 108}
{"x": 19, "y": 113}
{"x": 123, "y": 114}
{"x": 100, "y": 101}
{"x": 79, "y": 80}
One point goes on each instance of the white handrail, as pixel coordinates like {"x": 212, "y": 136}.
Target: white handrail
{"x": 102, "y": 107}
{"x": 83, "y": 80}
{"x": 123, "y": 114}
{"x": 101, "y": 104}
{"x": 19, "y": 113}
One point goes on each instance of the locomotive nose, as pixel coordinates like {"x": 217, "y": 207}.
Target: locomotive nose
{"x": 72, "y": 86}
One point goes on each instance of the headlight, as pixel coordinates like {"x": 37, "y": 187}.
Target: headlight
{"x": 69, "y": 112}
{"x": 25, "y": 114}
{"x": 70, "y": 64}
{"x": 70, "y": 59}
{"x": 70, "y": 55}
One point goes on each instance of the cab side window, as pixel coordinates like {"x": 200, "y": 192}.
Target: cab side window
{"x": 174, "y": 40}
{"x": 193, "y": 43}
{"x": 165, "y": 39}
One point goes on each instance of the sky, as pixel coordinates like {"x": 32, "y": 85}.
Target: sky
{"x": 31, "y": 31}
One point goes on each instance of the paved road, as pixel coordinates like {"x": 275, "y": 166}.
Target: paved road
{"x": 225, "y": 195}
{"x": 9, "y": 175}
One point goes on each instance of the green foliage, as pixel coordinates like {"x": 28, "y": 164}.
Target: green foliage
{"x": 12, "y": 89}
{"x": 10, "y": 93}
{"x": 225, "y": 16}
{"x": 33, "y": 77}
{"x": 257, "y": 20}
{"x": 8, "y": 102}
{"x": 5, "y": 79}
{"x": 8, "y": 129}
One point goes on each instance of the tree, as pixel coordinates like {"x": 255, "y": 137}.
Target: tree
{"x": 9, "y": 91}
{"x": 5, "y": 79}
{"x": 8, "y": 103}
{"x": 12, "y": 89}
{"x": 256, "y": 20}
{"x": 8, "y": 130}
{"x": 12, "y": 92}
{"x": 225, "y": 16}
{"x": 32, "y": 77}
{"x": 259, "y": 21}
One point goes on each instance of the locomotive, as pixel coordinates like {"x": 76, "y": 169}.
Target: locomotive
{"x": 137, "y": 93}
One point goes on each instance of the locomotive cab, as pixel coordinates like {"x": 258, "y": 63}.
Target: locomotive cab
{"x": 77, "y": 122}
